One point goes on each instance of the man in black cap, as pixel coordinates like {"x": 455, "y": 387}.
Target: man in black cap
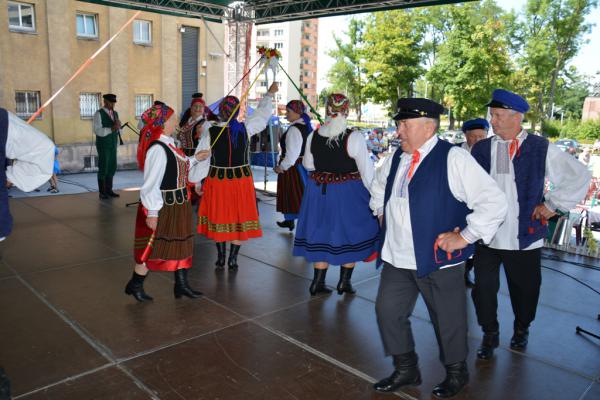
{"x": 434, "y": 202}
{"x": 106, "y": 128}
{"x": 520, "y": 163}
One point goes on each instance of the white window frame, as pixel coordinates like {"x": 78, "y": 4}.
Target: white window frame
{"x": 278, "y": 32}
{"x": 262, "y": 32}
{"x": 143, "y": 101}
{"x": 278, "y": 45}
{"x": 85, "y": 35}
{"x": 137, "y": 29}
{"x": 22, "y": 28}
{"x": 27, "y": 113}
{"x": 91, "y": 110}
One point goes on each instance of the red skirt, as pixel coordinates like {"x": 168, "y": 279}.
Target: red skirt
{"x": 173, "y": 241}
{"x": 228, "y": 209}
{"x": 290, "y": 190}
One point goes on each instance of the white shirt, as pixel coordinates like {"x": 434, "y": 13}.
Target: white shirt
{"x": 99, "y": 130}
{"x": 154, "y": 171}
{"x": 356, "y": 148}
{"x": 32, "y": 152}
{"x": 293, "y": 146}
{"x": 465, "y": 146}
{"x": 468, "y": 183}
{"x": 254, "y": 123}
{"x": 568, "y": 176}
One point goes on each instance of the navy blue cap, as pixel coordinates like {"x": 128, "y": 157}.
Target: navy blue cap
{"x": 110, "y": 97}
{"x": 477, "y": 123}
{"x": 504, "y": 99}
{"x": 409, "y": 107}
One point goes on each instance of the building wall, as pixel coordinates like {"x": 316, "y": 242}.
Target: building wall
{"x": 44, "y": 61}
{"x": 309, "y": 52}
{"x": 591, "y": 109}
{"x": 293, "y": 56}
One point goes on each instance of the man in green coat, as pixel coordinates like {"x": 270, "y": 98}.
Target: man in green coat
{"x": 106, "y": 128}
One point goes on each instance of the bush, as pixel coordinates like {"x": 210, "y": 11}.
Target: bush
{"x": 572, "y": 129}
{"x": 551, "y": 128}
{"x": 589, "y": 130}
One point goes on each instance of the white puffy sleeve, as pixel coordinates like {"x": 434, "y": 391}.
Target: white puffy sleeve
{"x": 154, "y": 171}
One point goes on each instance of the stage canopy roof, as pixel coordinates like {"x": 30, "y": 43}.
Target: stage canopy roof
{"x": 266, "y": 11}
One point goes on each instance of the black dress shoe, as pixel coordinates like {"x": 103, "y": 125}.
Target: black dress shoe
{"x": 488, "y": 344}
{"x": 519, "y": 339}
{"x": 287, "y": 224}
{"x": 406, "y": 372}
{"x": 457, "y": 376}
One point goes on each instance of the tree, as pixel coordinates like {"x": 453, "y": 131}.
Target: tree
{"x": 393, "y": 53}
{"x": 551, "y": 35}
{"x": 473, "y": 61}
{"x": 345, "y": 74}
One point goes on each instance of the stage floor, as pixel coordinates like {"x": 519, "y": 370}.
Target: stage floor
{"x": 68, "y": 331}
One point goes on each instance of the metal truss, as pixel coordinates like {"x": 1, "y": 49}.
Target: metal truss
{"x": 264, "y": 11}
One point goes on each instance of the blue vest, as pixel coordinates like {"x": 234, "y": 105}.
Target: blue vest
{"x": 433, "y": 210}
{"x": 530, "y": 171}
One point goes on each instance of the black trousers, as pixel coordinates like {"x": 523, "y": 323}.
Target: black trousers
{"x": 524, "y": 277}
{"x": 445, "y": 296}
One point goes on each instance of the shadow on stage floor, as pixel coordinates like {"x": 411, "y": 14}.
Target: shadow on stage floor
{"x": 68, "y": 332}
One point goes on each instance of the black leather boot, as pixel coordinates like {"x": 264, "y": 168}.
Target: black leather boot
{"x": 406, "y": 372}
{"x": 318, "y": 282}
{"x": 108, "y": 187}
{"x": 233, "y": 253}
{"x": 221, "y": 250}
{"x": 4, "y": 385}
{"x": 182, "y": 288}
{"x": 102, "y": 189}
{"x": 287, "y": 224}
{"x": 520, "y": 337}
{"x": 344, "y": 285}
{"x": 135, "y": 288}
{"x": 489, "y": 342}
{"x": 457, "y": 376}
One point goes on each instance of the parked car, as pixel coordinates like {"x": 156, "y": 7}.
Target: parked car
{"x": 455, "y": 137}
{"x": 568, "y": 145}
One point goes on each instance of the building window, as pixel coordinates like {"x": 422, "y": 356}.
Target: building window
{"x": 262, "y": 32}
{"x": 278, "y": 97}
{"x": 278, "y": 32}
{"x": 307, "y": 24}
{"x": 142, "y": 32}
{"x": 21, "y": 16}
{"x": 306, "y": 86}
{"x": 306, "y": 61}
{"x": 89, "y": 103}
{"x": 142, "y": 103}
{"x": 278, "y": 45}
{"x": 307, "y": 37}
{"x": 262, "y": 83}
{"x": 87, "y": 26}
{"x": 27, "y": 103}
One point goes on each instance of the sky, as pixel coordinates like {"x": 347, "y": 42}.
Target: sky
{"x": 587, "y": 60}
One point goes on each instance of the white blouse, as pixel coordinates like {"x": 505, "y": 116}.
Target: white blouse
{"x": 154, "y": 171}
{"x": 293, "y": 146}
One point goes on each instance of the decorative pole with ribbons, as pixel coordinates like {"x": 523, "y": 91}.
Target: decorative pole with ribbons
{"x": 244, "y": 97}
{"x": 312, "y": 109}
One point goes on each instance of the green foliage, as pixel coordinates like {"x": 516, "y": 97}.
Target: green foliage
{"x": 457, "y": 54}
{"x": 474, "y": 59}
{"x": 345, "y": 75}
{"x": 393, "y": 54}
{"x": 572, "y": 129}
{"x": 551, "y": 128}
